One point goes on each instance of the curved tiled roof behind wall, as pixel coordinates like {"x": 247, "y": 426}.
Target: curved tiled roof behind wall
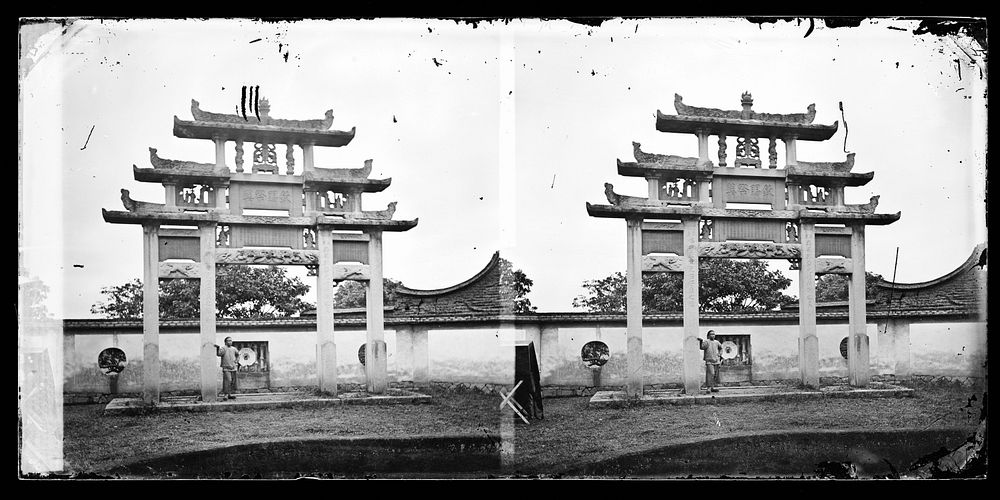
{"x": 963, "y": 289}
{"x": 479, "y": 294}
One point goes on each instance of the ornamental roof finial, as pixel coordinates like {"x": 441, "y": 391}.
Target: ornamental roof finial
{"x": 264, "y": 106}
{"x": 747, "y": 101}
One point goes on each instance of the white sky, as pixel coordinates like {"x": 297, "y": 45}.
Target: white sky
{"x": 499, "y": 143}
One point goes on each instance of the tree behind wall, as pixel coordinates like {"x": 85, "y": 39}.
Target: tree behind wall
{"x": 240, "y": 292}
{"x": 514, "y": 287}
{"x": 833, "y": 287}
{"x": 351, "y": 294}
{"x": 725, "y": 285}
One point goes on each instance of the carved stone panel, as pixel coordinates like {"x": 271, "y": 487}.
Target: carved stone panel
{"x": 748, "y": 190}
{"x": 663, "y": 242}
{"x": 734, "y": 250}
{"x": 834, "y": 266}
{"x": 270, "y": 197}
{"x": 753, "y": 230}
{"x": 268, "y": 256}
{"x": 351, "y": 272}
{"x": 833, "y": 244}
{"x": 179, "y": 270}
{"x": 179, "y": 247}
{"x": 266, "y": 236}
{"x": 350, "y": 251}
{"x": 662, "y": 263}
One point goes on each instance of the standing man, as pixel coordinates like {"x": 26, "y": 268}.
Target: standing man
{"x": 713, "y": 358}
{"x": 228, "y": 363}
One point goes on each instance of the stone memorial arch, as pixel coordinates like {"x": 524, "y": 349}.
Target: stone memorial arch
{"x": 744, "y": 209}
{"x": 310, "y": 217}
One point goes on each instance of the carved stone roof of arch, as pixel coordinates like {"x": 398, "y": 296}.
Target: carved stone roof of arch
{"x": 745, "y": 114}
{"x": 264, "y": 118}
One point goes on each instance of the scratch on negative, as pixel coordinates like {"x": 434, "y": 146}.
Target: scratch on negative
{"x": 88, "y": 137}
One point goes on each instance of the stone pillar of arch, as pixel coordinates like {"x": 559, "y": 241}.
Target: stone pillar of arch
{"x": 633, "y": 307}
{"x": 375, "y": 351}
{"x": 693, "y": 366}
{"x": 150, "y": 314}
{"x": 858, "y": 372}
{"x": 326, "y": 349}
{"x": 808, "y": 339}
{"x": 206, "y": 275}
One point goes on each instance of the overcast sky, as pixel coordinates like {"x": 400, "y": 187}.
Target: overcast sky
{"x": 494, "y": 134}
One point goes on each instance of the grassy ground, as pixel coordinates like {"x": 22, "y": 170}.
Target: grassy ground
{"x": 572, "y": 433}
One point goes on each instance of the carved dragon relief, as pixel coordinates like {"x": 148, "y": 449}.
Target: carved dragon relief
{"x": 266, "y": 256}
{"x": 167, "y": 164}
{"x": 833, "y": 266}
{"x": 666, "y": 160}
{"x": 747, "y": 114}
{"x": 744, "y": 250}
{"x": 661, "y": 263}
{"x": 143, "y": 206}
{"x": 864, "y": 208}
{"x": 179, "y": 270}
{"x": 825, "y": 166}
{"x": 619, "y": 200}
{"x": 367, "y": 215}
{"x": 345, "y": 173}
{"x": 342, "y": 272}
{"x": 265, "y": 118}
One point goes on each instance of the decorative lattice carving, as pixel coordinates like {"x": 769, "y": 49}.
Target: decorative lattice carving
{"x": 722, "y": 151}
{"x": 308, "y": 238}
{"x": 194, "y": 195}
{"x": 682, "y": 189}
{"x": 747, "y": 147}
{"x": 266, "y": 256}
{"x": 816, "y": 194}
{"x": 705, "y": 230}
{"x": 334, "y": 201}
{"x": 222, "y": 233}
{"x": 239, "y": 155}
{"x": 742, "y": 250}
{"x": 791, "y": 232}
{"x": 265, "y": 158}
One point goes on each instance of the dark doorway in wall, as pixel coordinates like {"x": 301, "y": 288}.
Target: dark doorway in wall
{"x": 737, "y": 363}
{"x": 253, "y": 366}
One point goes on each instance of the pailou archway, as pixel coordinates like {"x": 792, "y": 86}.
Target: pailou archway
{"x": 745, "y": 209}
{"x": 264, "y": 214}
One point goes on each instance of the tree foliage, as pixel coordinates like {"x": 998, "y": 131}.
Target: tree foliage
{"x": 833, "y": 287}
{"x": 725, "y": 285}
{"x": 240, "y": 292}
{"x": 514, "y": 288}
{"x": 32, "y": 301}
{"x": 351, "y": 294}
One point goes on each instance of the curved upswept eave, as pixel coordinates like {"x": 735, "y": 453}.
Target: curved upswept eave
{"x": 977, "y": 256}
{"x": 494, "y": 261}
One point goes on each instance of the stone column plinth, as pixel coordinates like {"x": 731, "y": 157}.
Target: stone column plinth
{"x": 375, "y": 353}
{"x": 150, "y": 314}
{"x": 209, "y": 359}
{"x": 326, "y": 351}
{"x": 858, "y": 372}
{"x": 694, "y": 367}
{"x": 808, "y": 340}
{"x": 633, "y": 307}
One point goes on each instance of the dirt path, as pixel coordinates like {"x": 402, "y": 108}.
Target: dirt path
{"x": 571, "y": 433}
